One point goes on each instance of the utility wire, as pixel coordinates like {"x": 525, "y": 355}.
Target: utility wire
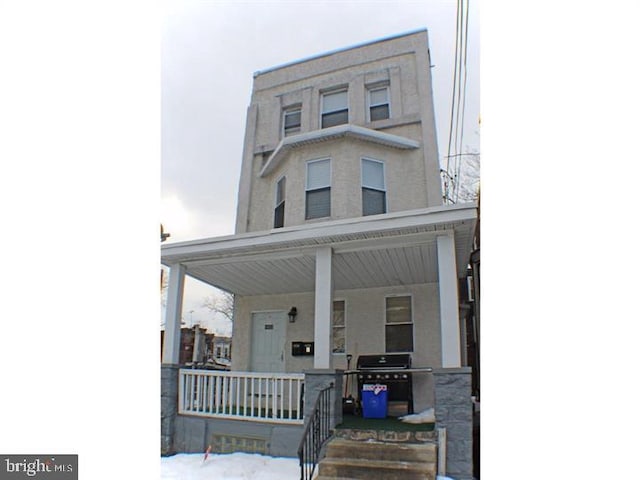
{"x": 447, "y": 179}
{"x": 462, "y": 98}
{"x": 451, "y": 173}
{"x": 456, "y": 163}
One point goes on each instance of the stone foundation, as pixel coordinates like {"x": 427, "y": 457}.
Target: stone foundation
{"x": 193, "y": 434}
{"x": 454, "y": 411}
{"x": 168, "y": 407}
{"x": 317, "y": 380}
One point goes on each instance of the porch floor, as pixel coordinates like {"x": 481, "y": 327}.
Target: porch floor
{"x": 389, "y": 424}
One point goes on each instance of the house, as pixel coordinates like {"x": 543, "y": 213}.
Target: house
{"x": 221, "y": 348}
{"x": 343, "y": 248}
{"x": 192, "y": 345}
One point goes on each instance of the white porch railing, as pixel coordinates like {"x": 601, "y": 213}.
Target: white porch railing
{"x": 271, "y": 397}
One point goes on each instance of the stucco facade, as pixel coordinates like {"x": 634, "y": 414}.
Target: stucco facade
{"x": 364, "y": 323}
{"x": 401, "y": 66}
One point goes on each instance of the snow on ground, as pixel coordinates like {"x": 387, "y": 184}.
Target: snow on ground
{"x": 229, "y": 467}
{"x": 233, "y": 466}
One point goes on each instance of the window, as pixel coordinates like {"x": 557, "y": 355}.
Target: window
{"x": 398, "y": 324}
{"x": 291, "y": 121}
{"x": 378, "y": 103}
{"x": 338, "y": 327}
{"x": 335, "y": 109}
{"x": 278, "y": 217}
{"x": 318, "y": 191}
{"x": 374, "y": 195}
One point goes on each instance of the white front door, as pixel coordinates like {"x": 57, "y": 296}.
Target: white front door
{"x": 267, "y": 341}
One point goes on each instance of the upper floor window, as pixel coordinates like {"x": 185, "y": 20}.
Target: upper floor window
{"x": 398, "y": 330}
{"x": 278, "y": 217}
{"x": 318, "y": 189}
{"x": 378, "y": 103}
{"x": 291, "y": 121}
{"x": 335, "y": 108}
{"x": 374, "y": 195}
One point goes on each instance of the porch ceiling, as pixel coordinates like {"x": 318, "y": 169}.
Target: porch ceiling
{"x": 381, "y": 250}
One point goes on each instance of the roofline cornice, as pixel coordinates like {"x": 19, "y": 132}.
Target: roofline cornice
{"x": 340, "y": 50}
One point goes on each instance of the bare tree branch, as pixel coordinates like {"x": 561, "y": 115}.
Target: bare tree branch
{"x": 220, "y": 302}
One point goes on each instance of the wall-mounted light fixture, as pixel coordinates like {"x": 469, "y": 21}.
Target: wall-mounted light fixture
{"x": 292, "y": 314}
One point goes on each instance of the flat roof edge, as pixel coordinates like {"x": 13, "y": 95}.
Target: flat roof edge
{"x": 330, "y": 227}
{"x": 339, "y": 50}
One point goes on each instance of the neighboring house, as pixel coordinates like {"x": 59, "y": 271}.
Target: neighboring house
{"x": 221, "y": 348}
{"x": 340, "y": 220}
{"x": 192, "y": 344}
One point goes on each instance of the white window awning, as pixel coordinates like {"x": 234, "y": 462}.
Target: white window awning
{"x": 332, "y": 133}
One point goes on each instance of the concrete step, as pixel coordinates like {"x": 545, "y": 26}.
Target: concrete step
{"x": 321, "y": 477}
{"x": 379, "y": 469}
{"x": 407, "y": 452}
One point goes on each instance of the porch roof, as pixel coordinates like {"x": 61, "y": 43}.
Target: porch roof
{"x": 373, "y": 251}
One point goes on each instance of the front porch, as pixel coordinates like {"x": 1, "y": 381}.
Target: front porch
{"x": 418, "y": 256}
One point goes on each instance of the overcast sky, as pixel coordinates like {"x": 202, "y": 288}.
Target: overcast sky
{"x": 210, "y": 51}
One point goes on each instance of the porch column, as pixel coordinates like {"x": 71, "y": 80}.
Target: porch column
{"x": 448, "y": 287}
{"x": 171, "y": 346}
{"x": 323, "y": 309}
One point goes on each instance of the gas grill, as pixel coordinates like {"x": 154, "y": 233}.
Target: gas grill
{"x": 389, "y": 370}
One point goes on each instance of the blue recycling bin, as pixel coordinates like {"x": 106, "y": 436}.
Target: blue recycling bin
{"x": 374, "y": 401}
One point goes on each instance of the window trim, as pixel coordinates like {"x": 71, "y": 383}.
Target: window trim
{"x": 306, "y": 185}
{"x": 412, "y": 323}
{"x": 374, "y": 88}
{"x": 287, "y": 111}
{"x": 331, "y": 92}
{"x": 384, "y": 180}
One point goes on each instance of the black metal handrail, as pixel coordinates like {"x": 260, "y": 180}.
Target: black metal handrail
{"x": 316, "y": 433}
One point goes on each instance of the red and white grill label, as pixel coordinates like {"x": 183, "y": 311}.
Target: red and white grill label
{"x": 376, "y": 389}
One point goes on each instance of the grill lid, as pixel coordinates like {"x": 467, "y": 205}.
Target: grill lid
{"x": 386, "y": 361}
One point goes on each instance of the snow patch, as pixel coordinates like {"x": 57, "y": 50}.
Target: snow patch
{"x": 426, "y": 416}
